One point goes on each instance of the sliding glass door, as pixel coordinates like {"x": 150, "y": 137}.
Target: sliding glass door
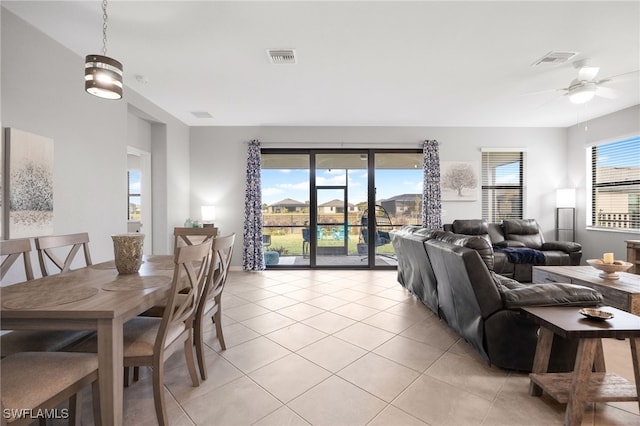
{"x": 335, "y": 208}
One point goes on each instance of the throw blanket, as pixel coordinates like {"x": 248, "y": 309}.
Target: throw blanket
{"x": 523, "y": 255}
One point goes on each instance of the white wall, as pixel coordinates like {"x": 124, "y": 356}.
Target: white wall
{"x": 616, "y": 126}
{"x": 218, "y": 162}
{"x": 43, "y": 93}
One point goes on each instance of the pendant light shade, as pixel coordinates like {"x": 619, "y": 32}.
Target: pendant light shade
{"x": 102, "y": 74}
{"x": 103, "y": 77}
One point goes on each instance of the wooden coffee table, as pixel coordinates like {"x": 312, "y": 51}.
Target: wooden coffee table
{"x": 623, "y": 293}
{"x": 582, "y": 385}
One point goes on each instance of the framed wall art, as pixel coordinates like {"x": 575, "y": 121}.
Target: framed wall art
{"x": 459, "y": 180}
{"x": 27, "y": 185}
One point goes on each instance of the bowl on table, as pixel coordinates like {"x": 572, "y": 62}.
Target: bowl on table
{"x": 609, "y": 270}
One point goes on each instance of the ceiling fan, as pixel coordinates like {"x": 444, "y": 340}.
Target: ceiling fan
{"x": 585, "y": 86}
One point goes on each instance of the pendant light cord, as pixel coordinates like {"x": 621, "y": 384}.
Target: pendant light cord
{"x": 104, "y": 27}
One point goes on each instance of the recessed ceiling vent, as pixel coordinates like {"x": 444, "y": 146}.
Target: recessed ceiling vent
{"x": 554, "y": 57}
{"x": 281, "y": 56}
{"x": 201, "y": 114}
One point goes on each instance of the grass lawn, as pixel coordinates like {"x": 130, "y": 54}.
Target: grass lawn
{"x": 291, "y": 245}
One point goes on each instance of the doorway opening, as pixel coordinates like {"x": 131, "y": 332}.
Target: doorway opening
{"x": 139, "y": 195}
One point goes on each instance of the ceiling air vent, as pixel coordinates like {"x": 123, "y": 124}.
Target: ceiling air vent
{"x": 282, "y": 56}
{"x": 555, "y": 57}
{"x": 201, "y": 114}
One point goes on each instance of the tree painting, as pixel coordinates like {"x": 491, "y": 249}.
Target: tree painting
{"x": 30, "y": 186}
{"x": 459, "y": 181}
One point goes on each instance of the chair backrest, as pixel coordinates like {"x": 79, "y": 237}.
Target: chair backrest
{"x": 222, "y": 251}
{"x": 13, "y": 249}
{"x": 191, "y": 236}
{"x": 45, "y": 246}
{"x": 189, "y": 276}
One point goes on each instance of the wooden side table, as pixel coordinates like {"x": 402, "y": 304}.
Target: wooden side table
{"x": 589, "y": 381}
{"x": 633, "y": 255}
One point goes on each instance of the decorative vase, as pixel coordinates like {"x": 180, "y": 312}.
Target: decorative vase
{"x": 127, "y": 249}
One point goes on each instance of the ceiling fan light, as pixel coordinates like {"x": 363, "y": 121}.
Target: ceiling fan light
{"x": 103, "y": 77}
{"x": 582, "y": 94}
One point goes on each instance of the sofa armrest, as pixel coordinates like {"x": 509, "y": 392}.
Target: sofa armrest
{"x": 565, "y": 246}
{"x": 550, "y": 294}
{"x": 509, "y": 243}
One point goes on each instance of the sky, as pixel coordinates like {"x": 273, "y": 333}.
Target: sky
{"x": 278, "y": 184}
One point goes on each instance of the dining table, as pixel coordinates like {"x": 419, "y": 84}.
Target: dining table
{"x": 95, "y": 298}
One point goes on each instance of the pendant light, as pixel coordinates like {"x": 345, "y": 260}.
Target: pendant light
{"x": 103, "y": 75}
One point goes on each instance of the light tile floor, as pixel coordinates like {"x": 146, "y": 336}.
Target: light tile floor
{"x": 349, "y": 348}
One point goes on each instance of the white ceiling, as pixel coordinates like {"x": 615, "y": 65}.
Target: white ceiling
{"x": 373, "y": 63}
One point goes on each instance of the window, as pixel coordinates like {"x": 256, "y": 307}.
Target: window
{"x": 615, "y": 190}
{"x": 502, "y": 185}
{"x": 133, "y": 184}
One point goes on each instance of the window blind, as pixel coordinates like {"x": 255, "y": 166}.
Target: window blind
{"x": 502, "y": 185}
{"x": 615, "y": 194}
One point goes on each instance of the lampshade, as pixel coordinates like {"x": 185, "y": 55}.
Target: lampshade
{"x": 566, "y": 197}
{"x": 103, "y": 77}
{"x": 582, "y": 94}
{"x": 208, "y": 213}
{"x": 102, "y": 74}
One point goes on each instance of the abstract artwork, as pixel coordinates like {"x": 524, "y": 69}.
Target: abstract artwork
{"x": 459, "y": 180}
{"x": 27, "y": 202}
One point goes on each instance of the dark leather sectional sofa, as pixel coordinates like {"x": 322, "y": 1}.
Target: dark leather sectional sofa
{"x": 453, "y": 275}
{"x": 518, "y": 245}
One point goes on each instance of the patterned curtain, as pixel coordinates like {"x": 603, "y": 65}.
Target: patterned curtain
{"x": 252, "y": 256}
{"x": 431, "y": 201}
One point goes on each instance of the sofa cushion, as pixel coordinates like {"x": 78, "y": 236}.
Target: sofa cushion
{"x": 495, "y": 233}
{"x": 565, "y": 246}
{"x": 478, "y": 227}
{"x": 470, "y": 226}
{"x": 550, "y": 294}
{"x": 526, "y": 231}
{"x": 478, "y": 243}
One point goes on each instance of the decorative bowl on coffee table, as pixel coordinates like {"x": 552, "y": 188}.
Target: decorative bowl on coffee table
{"x": 609, "y": 270}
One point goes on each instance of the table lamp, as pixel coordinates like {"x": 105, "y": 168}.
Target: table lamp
{"x": 208, "y": 216}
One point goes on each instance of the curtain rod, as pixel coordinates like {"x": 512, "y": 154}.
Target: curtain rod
{"x": 331, "y": 144}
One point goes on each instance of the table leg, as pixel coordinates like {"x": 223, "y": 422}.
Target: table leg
{"x": 598, "y": 361}
{"x": 635, "y": 358}
{"x": 580, "y": 382}
{"x": 541, "y": 359}
{"x": 110, "y": 368}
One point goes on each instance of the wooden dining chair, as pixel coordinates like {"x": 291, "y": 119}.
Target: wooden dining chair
{"x": 150, "y": 341}
{"x": 210, "y": 302}
{"x": 46, "y": 245}
{"x": 190, "y": 236}
{"x": 12, "y": 250}
{"x": 30, "y": 340}
{"x": 33, "y": 381}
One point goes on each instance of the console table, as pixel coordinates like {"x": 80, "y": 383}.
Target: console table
{"x": 589, "y": 381}
{"x": 623, "y": 293}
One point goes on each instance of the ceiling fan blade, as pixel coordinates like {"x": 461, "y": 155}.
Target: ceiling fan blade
{"x": 606, "y": 92}
{"x": 588, "y": 73}
{"x": 620, "y": 77}
{"x": 543, "y": 92}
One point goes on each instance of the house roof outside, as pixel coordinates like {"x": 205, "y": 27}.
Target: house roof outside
{"x": 288, "y": 202}
{"x": 404, "y": 197}
{"x": 335, "y": 203}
